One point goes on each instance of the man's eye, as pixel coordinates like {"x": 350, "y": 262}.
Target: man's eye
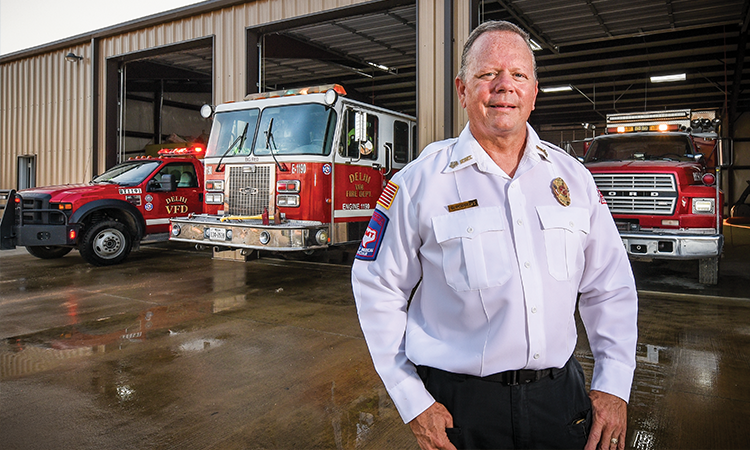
{"x": 488, "y": 75}
{"x": 520, "y": 75}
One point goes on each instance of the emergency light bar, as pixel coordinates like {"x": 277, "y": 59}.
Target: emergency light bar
{"x": 182, "y": 151}
{"x": 301, "y": 91}
{"x": 668, "y": 115}
{"x": 660, "y": 127}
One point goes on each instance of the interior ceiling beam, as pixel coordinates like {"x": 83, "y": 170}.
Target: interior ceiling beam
{"x": 599, "y": 18}
{"x": 538, "y": 36}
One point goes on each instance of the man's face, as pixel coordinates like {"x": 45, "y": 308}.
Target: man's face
{"x": 500, "y": 90}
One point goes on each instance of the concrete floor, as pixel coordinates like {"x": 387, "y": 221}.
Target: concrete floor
{"x": 175, "y": 350}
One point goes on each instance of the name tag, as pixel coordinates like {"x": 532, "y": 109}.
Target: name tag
{"x": 463, "y": 205}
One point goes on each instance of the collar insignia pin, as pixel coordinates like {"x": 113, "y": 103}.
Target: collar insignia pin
{"x": 543, "y": 151}
{"x": 453, "y": 164}
{"x": 561, "y": 191}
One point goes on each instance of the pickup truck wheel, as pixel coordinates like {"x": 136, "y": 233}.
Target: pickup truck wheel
{"x": 708, "y": 270}
{"x": 48, "y": 252}
{"x": 106, "y": 243}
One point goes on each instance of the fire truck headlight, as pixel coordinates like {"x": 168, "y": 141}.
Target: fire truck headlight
{"x": 288, "y": 201}
{"x": 264, "y": 237}
{"x": 214, "y": 198}
{"x": 703, "y": 205}
{"x": 321, "y": 237}
{"x": 215, "y": 185}
{"x": 176, "y": 229}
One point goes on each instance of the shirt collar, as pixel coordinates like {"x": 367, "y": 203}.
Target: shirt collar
{"x": 467, "y": 152}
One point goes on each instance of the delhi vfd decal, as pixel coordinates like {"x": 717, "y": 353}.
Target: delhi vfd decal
{"x": 368, "y": 249}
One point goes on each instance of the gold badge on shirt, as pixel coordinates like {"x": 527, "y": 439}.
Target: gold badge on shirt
{"x": 560, "y": 189}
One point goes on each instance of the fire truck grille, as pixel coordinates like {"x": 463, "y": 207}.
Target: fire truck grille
{"x": 638, "y": 193}
{"x": 250, "y": 190}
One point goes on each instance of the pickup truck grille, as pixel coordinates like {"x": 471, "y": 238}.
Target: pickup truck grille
{"x": 251, "y": 189}
{"x": 34, "y": 209}
{"x": 638, "y": 193}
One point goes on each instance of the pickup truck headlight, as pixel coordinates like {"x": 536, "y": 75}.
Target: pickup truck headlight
{"x": 704, "y": 205}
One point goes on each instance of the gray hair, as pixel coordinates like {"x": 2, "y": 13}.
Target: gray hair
{"x": 492, "y": 25}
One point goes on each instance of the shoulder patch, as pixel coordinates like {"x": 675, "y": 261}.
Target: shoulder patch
{"x": 370, "y": 245}
{"x": 388, "y": 195}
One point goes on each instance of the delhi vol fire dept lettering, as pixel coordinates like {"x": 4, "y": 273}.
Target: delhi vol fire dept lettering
{"x": 359, "y": 188}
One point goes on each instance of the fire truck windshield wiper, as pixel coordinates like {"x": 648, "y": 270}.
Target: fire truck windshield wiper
{"x": 271, "y": 141}
{"x": 240, "y": 139}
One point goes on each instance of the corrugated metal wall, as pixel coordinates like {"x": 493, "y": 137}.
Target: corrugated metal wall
{"x": 46, "y": 103}
{"x": 227, "y": 26}
{"x": 46, "y": 111}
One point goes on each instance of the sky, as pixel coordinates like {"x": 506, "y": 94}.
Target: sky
{"x": 29, "y": 23}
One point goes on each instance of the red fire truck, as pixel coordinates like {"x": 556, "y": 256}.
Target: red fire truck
{"x": 108, "y": 217}
{"x": 655, "y": 172}
{"x": 295, "y": 170}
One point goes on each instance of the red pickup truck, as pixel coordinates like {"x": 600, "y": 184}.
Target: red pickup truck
{"x": 108, "y": 217}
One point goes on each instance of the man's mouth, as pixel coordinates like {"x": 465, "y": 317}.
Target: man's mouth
{"x": 502, "y": 106}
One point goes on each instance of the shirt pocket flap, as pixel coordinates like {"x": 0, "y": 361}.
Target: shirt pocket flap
{"x": 467, "y": 223}
{"x": 569, "y": 218}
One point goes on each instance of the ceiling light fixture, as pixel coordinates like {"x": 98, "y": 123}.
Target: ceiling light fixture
{"x": 556, "y": 89}
{"x": 668, "y": 78}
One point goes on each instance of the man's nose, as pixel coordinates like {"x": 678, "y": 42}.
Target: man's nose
{"x": 503, "y": 82}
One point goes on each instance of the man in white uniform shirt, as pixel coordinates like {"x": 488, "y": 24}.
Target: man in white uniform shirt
{"x": 500, "y": 231}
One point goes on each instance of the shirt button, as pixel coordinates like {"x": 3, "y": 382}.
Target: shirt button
{"x": 536, "y": 355}
{"x": 533, "y": 309}
{"x": 572, "y": 224}
{"x": 519, "y": 221}
{"x": 527, "y": 264}
{"x": 470, "y": 230}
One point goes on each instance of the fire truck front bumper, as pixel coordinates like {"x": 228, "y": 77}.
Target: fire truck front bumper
{"x": 211, "y": 231}
{"x": 672, "y": 246}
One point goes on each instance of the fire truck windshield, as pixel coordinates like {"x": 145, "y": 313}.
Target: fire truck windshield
{"x": 305, "y": 129}
{"x": 128, "y": 174}
{"x": 227, "y": 131}
{"x": 641, "y": 146}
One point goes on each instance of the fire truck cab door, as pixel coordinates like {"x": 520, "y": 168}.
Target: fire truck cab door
{"x": 361, "y": 164}
{"x": 186, "y": 198}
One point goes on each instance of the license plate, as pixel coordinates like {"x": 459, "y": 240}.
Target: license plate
{"x": 217, "y": 234}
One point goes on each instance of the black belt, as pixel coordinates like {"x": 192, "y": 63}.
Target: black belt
{"x": 516, "y": 377}
{"x": 507, "y": 378}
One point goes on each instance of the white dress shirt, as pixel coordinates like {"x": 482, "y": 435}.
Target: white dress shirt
{"x": 500, "y": 274}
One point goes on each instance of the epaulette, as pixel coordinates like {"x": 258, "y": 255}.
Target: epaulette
{"x": 553, "y": 147}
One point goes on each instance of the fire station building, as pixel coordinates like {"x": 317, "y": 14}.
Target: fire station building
{"x": 72, "y": 108}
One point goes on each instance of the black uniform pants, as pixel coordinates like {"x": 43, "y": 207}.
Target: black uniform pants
{"x": 553, "y": 412}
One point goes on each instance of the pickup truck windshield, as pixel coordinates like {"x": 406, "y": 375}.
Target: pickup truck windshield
{"x": 638, "y": 147}
{"x": 129, "y": 173}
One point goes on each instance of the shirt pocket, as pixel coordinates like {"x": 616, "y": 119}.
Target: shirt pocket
{"x": 564, "y": 231}
{"x": 475, "y": 250}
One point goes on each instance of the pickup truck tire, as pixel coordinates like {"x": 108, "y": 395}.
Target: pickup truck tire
{"x": 48, "y": 252}
{"x": 106, "y": 243}
{"x": 708, "y": 270}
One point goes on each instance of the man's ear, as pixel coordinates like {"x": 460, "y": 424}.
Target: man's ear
{"x": 461, "y": 91}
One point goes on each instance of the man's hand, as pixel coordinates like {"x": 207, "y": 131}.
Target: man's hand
{"x": 429, "y": 428}
{"x": 610, "y": 419}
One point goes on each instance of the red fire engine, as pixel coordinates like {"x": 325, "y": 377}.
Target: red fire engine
{"x": 296, "y": 170}
{"x": 108, "y": 217}
{"x": 654, "y": 171}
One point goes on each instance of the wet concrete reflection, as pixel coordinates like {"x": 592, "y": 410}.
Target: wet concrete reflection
{"x": 176, "y": 350}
